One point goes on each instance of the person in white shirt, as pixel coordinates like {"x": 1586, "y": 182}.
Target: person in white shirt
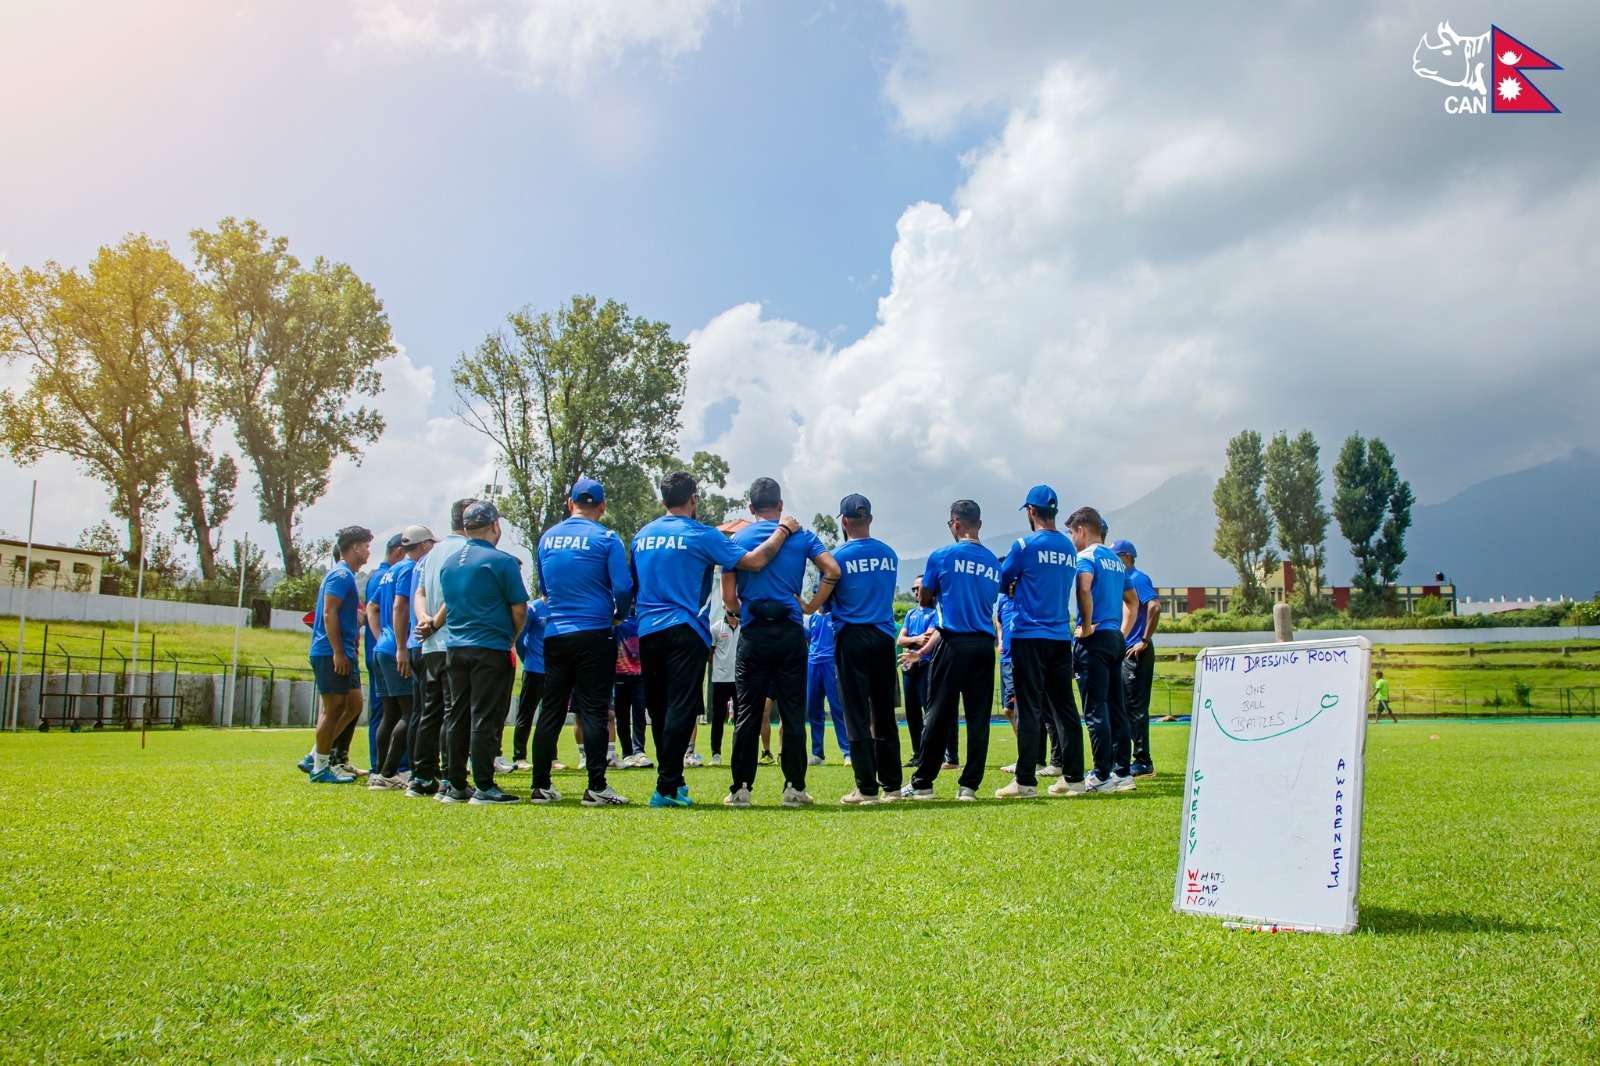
{"x": 725, "y": 642}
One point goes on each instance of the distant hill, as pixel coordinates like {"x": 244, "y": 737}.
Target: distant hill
{"x": 1551, "y": 512}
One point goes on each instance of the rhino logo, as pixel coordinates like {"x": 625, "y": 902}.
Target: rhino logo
{"x": 1451, "y": 59}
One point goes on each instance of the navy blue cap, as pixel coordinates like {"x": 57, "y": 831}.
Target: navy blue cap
{"x": 855, "y": 505}
{"x": 587, "y": 490}
{"x": 480, "y": 515}
{"x": 1041, "y": 496}
{"x": 395, "y": 542}
{"x": 1125, "y": 547}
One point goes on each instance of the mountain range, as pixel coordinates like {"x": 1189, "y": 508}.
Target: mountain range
{"x": 1547, "y": 516}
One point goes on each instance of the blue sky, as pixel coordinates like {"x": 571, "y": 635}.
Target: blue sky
{"x": 921, "y": 249}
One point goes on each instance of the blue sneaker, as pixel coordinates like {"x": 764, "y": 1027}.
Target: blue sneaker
{"x": 305, "y": 765}
{"x": 677, "y": 799}
{"x": 329, "y": 776}
{"x": 682, "y": 798}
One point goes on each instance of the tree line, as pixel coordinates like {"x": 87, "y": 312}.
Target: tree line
{"x": 1277, "y": 487}
{"x": 137, "y": 360}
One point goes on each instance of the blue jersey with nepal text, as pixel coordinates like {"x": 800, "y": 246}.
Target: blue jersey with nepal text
{"x": 388, "y": 590}
{"x": 1041, "y": 566}
{"x": 672, "y": 561}
{"x": 339, "y": 583}
{"x": 583, "y": 572}
{"x": 868, "y": 569}
{"x": 1145, "y": 589}
{"x": 369, "y": 643}
{"x": 781, "y": 578}
{"x": 965, "y": 578}
{"x": 819, "y": 639}
{"x": 1110, "y": 582}
{"x": 1006, "y": 608}
{"x": 918, "y": 621}
{"x": 405, "y": 587}
{"x": 530, "y": 642}
{"x": 480, "y": 584}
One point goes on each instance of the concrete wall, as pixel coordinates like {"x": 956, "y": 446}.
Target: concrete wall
{"x": 52, "y": 605}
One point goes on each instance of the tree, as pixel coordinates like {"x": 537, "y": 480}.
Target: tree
{"x": 826, "y": 527}
{"x": 588, "y": 390}
{"x": 297, "y": 348}
{"x": 1373, "y": 507}
{"x": 1243, "y": 525}
{"x": 95, "y": 392}
{"x": 1294, "y": 492}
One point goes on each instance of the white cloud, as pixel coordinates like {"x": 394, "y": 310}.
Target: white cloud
{"x": 562, "y": 41}
{"x": 1134, "y": 269}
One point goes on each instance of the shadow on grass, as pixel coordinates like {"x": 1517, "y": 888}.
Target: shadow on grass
{"x": 1398, "y": 921}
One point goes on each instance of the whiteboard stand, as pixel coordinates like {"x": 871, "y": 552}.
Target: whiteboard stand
{"x": 1271, "y": 826}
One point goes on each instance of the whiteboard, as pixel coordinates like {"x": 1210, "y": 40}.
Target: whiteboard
{"x": 1271, "y": 826}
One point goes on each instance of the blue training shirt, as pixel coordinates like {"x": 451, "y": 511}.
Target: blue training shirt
{"x": 1042, "y": 566}
{"x": 1110, "y": 582}
{"x": 1006, "y": 608}
{"x": 583, "y": 572}
{"x": 965, "y": 579}
{"x": 339, "y": 583}
{"x": 819, "y": 639}
{"x": 369, "y": 643}
{"x": 480, "y": 584}
{"x": 918, "y": 621}
{"x": 1145, "y": 589}
{"x": 388, "y": 589}
{"x": 865, "y": 592}
{"x": 405, "y": 586}
{"x": 530, "y": 642}
{"x": 781, "y": 578}
{"x": 672, "y": 561}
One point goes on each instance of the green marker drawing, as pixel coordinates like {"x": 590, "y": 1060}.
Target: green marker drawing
{"x": 1269, "y": 736}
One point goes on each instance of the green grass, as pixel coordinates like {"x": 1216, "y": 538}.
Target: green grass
{"x": 198, "y": 900}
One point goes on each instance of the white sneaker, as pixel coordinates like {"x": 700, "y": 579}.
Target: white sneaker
{"x": 520, "y": 765}
{"x": 1017, "y": 791}
{"x": 583, "y": 761}
{"x": 1064, "y": 787}
{"x": 716, "y": 760}
{"x": 796, "y": 797}
{"x": 403, "y": 776}
{"x": 544, "y": 795}
{"x": 854, "y": 798}
{"x": 913, "y": 792}
{"x": 814, "y": 760}
{"x": 503, "y": 765}
{"x": 642, "y": 761}
{"x": 886, "y": 796}
{"x": 612, "y": 762}
{"x": 966, "y": 795}
{"x": 847, "y": 760}
{"x": 627, "y": 762}
{"x": 693, "y": 760}
{"x": 1009, "y": 768}
{"x": 739, "y": 797}
{"x": 1049, "y": 771}
{"x": 1120, "y": 783}
{"x": 1094, "y": 785}
{"x": 379, "y": 783}
{"x": 351, "y": 770}
{"x": 607, "y": 797}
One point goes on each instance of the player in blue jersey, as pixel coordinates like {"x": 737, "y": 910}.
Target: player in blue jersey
{"x": 394, "y": 608}
{"x": 1139, "y": 662}
{"x": 915, "y": 630}
{"x": 335, "y": 638}
{"x": 1040, "y": 572}
{"x": 485, "y": 602}
{"x": 1106, "y": 603}
{"x": 862, "y": 614}
{"x": 375, "y": 691}
{"x": 530, "y": 649}
{"x": 963, "y": 579}
{"x": 772, "y": 642}
{"x": 429, "y": 758}
{"x": 583, "y": 570}
{"x": 673, "y": 557}
{"x": 822, "y": 690}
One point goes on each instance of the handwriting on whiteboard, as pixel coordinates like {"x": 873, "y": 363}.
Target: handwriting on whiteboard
{"x": 1336, "y": 869}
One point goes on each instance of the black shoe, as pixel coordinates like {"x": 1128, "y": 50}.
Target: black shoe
{"x": 452, "y": 794}
{"x": 492, "y": 796}
{"x": 1141, "y": 769}
{"x": 422, "y": 788}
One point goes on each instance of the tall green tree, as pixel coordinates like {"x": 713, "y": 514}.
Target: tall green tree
{"x": 826, "y": 527}
{"x": 1244, "y": 527}
{"x": 1294, "y": 492}
{"x": 95, "y": 390}
{"x": 586, "y": 390}
{"x": 1373, "y": 508}
{"x": 298, "y": 349}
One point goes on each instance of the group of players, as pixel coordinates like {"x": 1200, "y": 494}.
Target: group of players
{"x": 448, "y": 613}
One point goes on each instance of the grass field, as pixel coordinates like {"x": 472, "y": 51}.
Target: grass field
{"x": 198, "y": 900}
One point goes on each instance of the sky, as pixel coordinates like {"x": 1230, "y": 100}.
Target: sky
{"x": 922, "y": 249}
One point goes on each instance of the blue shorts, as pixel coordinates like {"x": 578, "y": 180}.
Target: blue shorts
{"x": 332, "y": 684}
{"x": 390, "y": 683}
{"x": 1008, "y": 689}
{"x": 375, "y": 678}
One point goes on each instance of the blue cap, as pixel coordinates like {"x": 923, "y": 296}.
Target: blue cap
{"x": 587, "y": 490}
{"x": 855, "y": 505}
{"x": 1041, "y": 496}
{"x": 395, "y": 542}
{"x": 480, "y": 515}
{"x": 1125, "y": 547}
